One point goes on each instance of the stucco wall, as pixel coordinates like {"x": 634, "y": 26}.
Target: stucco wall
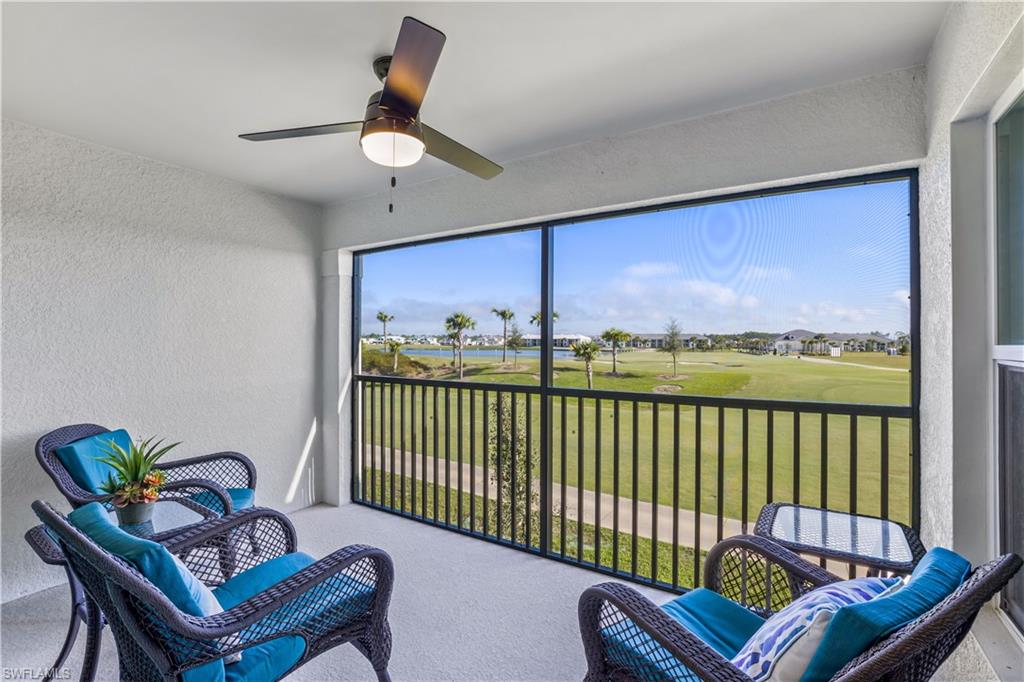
{"x": 862, "y": 124}
{"x": 163, "y": 300}
{"x": 969, "y": 39}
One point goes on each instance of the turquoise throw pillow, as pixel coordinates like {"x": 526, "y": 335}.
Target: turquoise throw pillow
{"x": 81, "y": 458}
{"x": 855, "y": 628}
{"x": 152, "y": 560}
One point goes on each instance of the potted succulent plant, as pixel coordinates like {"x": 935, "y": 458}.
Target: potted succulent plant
{"x": 135, "y": 484}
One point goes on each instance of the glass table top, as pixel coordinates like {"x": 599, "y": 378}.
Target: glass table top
{"x": 851, "y": 534}
{"x": 167, "y": 515}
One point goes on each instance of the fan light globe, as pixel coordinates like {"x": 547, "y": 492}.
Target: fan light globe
{"x": 392, "y": 149}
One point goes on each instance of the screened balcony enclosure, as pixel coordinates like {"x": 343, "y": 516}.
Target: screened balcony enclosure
{"x": 640, "y": 470}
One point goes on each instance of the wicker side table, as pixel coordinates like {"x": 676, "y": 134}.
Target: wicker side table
{"x": 879, "y": 544}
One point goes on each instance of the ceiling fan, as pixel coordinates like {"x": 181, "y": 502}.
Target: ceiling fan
{"x": 391, "y": 133}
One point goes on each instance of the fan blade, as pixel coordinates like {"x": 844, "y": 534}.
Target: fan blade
{"x": 412, "y": 64}
{"x": 326, "y": 129}
{"x": 448, "y": 150}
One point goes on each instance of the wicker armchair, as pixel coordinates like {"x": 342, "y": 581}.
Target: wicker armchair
{"x": 200, "y": 483}
{"x": 319, "y": 603}
{"x": 765, "y": 577}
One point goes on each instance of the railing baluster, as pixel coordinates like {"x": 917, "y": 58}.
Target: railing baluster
{"x": 654, "y": 493}
{"x": 884, "y": 454}
{"x": 391, "y": 443}
{"x": 367, "y": 445}
{"x": 823, "y": 496}
{"x": 580, "y": 518}
{"x": 373, "y": 444}
{"x": 744, "y": 483}
{"x": 412, "y": 449}
{"x": 514, "y": 482}
{"x": 720, "y": 512}
{"x": 853, "y": 481}
{"x": 382, "y": 437}
{"x": 499, "y": 437}
{"x": 561, "y": 522}
{"x": 423, "y": 455}
{"x": 528, "y": 488}
{"x": 437, "y": 479}
{"x": 447, "y": 456}
{"x": 697, "y": 493}
{"x": 636, "y": 487}
{"x": 675, "y": 496}
{"x": 487, "y": 462}
{"x": 853, "y": 463}
{"x": 597, "y": 482}
{"x": 796, "y": 457}
{"x": 458, "y": 449}
{"x": 472, "y": 461}
{"x": 615, "y": 486}
{"x": 770, "y": 458}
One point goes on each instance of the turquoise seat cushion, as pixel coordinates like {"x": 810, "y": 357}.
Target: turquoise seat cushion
{"x": 855, "y": 628}
{"x": 722, "y": 624}
{"x": 258, "y": 578}
{"x": 81, "y": 458}
{"x": 266, "y": 662}
{"x": 241, "y": 498}
{"x": 160, "y": 567}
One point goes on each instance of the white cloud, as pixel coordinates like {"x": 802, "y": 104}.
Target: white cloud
{"x": 828, "y": 311}
{"x": 762, "y": 273}
{"x": 902, "y": 296}
{"x": 650, "y": 269}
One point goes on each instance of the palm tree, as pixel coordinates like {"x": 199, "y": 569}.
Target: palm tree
{"x": 505, "y": 315}
{"x": 394, "y": 347}
{"x": 515, "y": 342}
{"x": 673, "y": 342}
{"x": 384, "y": 318}
{"x": 535, "y": 318}
{"x": 819, "y": 343}
{"x": 456, "y": 324}
{"x": 587, "y": 351}
{"x": 616, "y": 337}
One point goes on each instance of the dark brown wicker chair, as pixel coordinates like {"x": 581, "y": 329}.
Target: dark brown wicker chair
{"x": 206, "y": 477}
{"x": 325, "y": 603}
{"x": 765, "y": 577}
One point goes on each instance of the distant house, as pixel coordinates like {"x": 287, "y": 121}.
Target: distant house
{"x": 803, "y": 340}
{"x": 559, "y": 341}
{"x": 658, "y": 340}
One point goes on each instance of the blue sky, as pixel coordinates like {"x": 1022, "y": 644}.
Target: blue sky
{"x": 828, "y": 260}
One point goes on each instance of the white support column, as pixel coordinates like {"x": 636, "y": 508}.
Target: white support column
{"x": 336, "y": 314}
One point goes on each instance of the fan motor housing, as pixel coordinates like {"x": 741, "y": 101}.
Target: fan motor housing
{"x": 380, "y": 119}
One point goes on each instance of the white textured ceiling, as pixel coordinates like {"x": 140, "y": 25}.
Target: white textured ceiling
{"x": 178, "y": 82}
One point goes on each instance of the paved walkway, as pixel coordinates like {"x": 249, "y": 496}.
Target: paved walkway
{"x": 645, "y": 510}
{"x": 824, "y": 361}
{"x": 708, "y": 522}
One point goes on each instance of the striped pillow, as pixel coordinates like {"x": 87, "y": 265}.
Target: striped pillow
{"x": 782, "y": 648}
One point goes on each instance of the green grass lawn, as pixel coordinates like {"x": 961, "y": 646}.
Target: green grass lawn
{"x": 704, "y": 373}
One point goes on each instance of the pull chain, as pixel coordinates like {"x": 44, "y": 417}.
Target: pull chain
{"x": 391, "y": 189}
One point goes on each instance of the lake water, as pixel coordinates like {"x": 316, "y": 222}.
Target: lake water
{"x": 480, "y": 352}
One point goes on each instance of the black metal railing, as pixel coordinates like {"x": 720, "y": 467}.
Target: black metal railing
{"x": 641, "y": 485}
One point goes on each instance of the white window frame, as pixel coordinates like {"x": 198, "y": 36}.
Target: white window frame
{"x": 1000, "y": 354}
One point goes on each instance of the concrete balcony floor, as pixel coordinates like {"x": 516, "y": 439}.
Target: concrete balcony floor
{"x": 462, "y": 609}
